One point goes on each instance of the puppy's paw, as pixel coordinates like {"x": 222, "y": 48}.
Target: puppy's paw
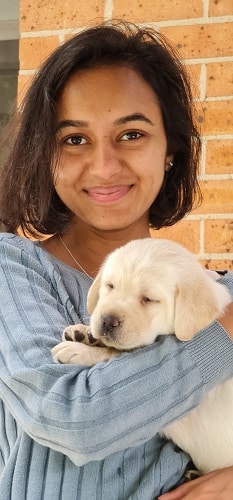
{"x": 75, "y": 353}
{"x": 79, "y": 333}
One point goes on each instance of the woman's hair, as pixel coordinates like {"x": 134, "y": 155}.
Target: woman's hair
{"x": 28, "y": 200}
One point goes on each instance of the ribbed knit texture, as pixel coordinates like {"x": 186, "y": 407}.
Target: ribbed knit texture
{"x": 73, "y": 433}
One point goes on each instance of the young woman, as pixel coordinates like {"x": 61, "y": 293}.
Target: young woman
{"x": 104, "y": 147}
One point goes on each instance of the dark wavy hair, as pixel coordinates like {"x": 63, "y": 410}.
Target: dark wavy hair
{"x": 28, "y": 199}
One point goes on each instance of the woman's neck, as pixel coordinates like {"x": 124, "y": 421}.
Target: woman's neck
{"x": 89, "y": 247}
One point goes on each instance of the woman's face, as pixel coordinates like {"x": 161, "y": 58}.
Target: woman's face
{"x": 112, "y": 147}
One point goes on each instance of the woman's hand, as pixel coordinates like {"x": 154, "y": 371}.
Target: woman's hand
{"x": 217, "y": 485}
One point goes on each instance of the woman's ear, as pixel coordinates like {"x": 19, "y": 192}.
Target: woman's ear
{"x": 169, "y": 162}
{"x": 93, "y": 294}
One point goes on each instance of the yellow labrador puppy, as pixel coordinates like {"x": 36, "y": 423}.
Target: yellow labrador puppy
{"x": 153, "y": 287}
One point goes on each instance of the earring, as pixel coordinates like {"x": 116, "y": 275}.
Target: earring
{"x": 169, "y": 165}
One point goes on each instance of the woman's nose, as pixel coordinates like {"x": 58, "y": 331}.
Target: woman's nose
{"x": 105, "y": 161}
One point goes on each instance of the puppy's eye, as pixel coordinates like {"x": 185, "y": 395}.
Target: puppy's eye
{"x": 109, "y": 286}
{"x": 147, "y": 300}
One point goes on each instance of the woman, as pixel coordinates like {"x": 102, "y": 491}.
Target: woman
{"x": 104, "y": 148}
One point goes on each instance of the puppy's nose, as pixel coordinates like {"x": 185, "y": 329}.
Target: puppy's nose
{"x": 109, "y": 322}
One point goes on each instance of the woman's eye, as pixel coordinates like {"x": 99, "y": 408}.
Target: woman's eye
{"x": 131, "y": 136}
{"x": 75, "y": 140}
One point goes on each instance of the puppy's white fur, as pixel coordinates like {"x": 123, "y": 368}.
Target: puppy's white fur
{"x": 151, "y": 287}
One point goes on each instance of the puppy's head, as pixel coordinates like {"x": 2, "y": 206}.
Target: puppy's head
{"x": 146, "y": 288}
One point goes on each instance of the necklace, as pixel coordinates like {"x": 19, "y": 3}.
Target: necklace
{"x": 74, "y": 259}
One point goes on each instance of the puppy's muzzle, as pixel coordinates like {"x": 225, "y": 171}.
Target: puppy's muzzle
{"x": 109, "y": 325}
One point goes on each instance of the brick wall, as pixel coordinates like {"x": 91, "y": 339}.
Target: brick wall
{"x": 202, "y": 30}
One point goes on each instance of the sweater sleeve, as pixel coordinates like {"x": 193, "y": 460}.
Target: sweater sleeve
{"x": 88, "y": 414}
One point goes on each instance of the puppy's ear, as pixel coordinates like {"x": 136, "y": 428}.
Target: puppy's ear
{"x": 195, "y": 307}
{"x": 93, "y": 293}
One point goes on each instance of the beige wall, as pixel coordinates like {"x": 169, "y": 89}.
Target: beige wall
{"x": 202, "y": 32}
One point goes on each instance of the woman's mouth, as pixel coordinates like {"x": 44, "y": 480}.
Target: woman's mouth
{"x": 107, "y": 194}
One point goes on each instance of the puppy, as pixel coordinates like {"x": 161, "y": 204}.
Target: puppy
{"x": 148, "y": 288}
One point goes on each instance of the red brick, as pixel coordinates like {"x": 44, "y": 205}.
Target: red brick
{"x": 201, "y": 40}
{"x": 219, "y": 79}
{"x": 185, "y": 232}
{"x": 33, "y": 51}
{"x": 194, "y": 72}
{"x": 48, "y": 15}
{"x": 217, "y": 197}
{"x": 215, "y": 117}
{"x": 219, "y": 236}
{"x": 219, "y": 157}
{"x": 23, "y": 84}
{"x": 221, "y": 265}
{"x": 220, "y": 8}
{"x": 139, "y": 11}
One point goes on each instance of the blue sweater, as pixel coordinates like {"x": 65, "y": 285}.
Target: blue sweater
{"x": 68, "y": 432}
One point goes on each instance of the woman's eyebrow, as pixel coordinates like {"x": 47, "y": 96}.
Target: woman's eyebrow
{"x": 119, "y": 121}
{"x": 131, "y": 118}
{"x": 71, "y": 123}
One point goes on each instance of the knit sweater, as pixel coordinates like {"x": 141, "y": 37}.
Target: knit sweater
{"x": 68, "y": 432}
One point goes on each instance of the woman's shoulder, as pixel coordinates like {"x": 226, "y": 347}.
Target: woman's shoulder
{"x": 18, "y": 252}
{"x": 24, "y": 260}
{"x": 16, "y": 244}
{"x": 13, "y": 238}
{"x": 12, "y": 246}
{"x": 15, "y": 241}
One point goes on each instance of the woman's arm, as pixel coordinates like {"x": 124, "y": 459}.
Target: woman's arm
{"x": 88, "y": 414}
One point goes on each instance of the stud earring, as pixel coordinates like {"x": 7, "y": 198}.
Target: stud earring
{"x": 169, "y": 165}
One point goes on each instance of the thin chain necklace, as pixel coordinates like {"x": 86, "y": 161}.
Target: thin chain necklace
{"x": 74, "y": 259}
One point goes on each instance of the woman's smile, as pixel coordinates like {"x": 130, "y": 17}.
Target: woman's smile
{"x": 107, "y": 194}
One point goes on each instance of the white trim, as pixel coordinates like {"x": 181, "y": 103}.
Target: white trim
{"x": 201, "y": 217}
{"x": 189, "y": 22}
{"x": 108, "y": 10}
{"x": 215, "y": 256}
{"x": 216, "y": 177}
{"x": 214, "y": 137}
